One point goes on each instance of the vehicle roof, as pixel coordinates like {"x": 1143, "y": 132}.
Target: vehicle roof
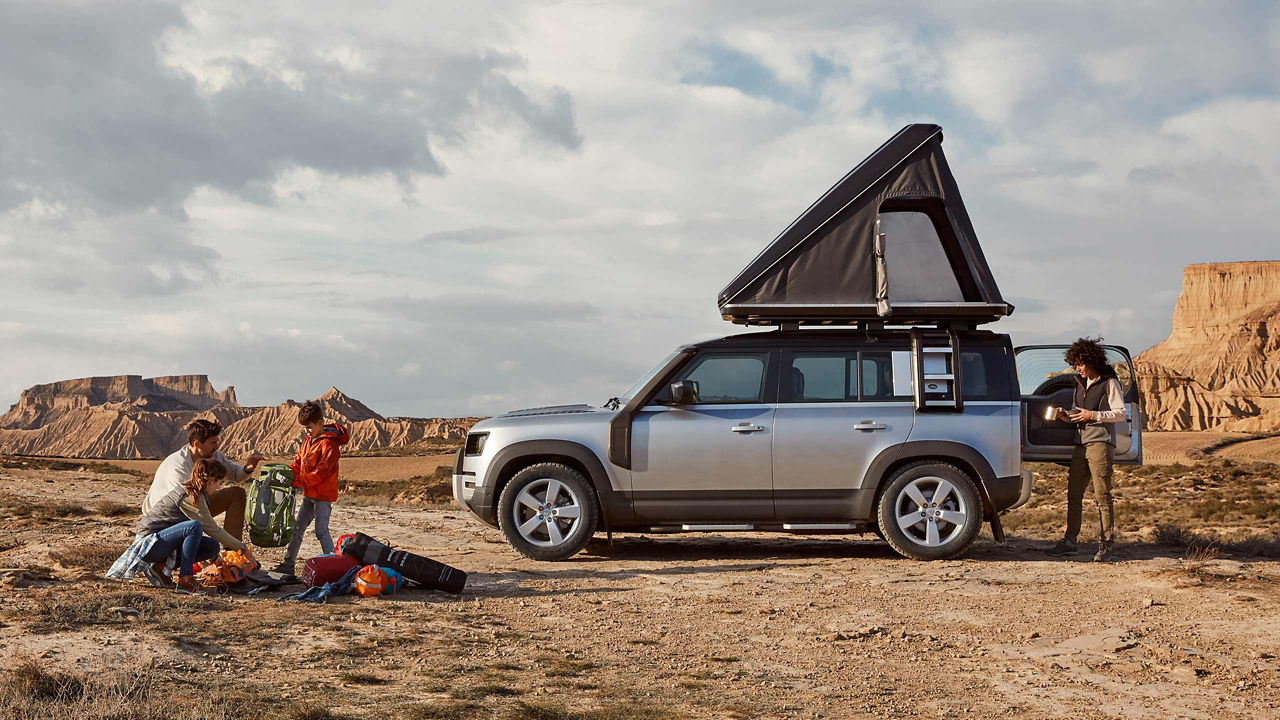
{"x": 821, "y": 338}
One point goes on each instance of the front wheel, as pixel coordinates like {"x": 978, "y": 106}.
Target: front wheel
{"x": 548, "y": 511}
{"x": 930, "y": 511}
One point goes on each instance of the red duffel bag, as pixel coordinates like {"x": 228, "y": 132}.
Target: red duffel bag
{"x": 326, "y": 568}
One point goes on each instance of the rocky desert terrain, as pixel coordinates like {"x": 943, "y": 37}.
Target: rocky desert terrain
{"x": 1185, "y": 625}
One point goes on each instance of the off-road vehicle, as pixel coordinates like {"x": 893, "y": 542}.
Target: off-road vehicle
{"x": 876, "y": 404}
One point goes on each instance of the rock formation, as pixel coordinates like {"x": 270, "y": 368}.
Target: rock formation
{"x": 127, "y": 417}
{"x": 1220, "y": 367}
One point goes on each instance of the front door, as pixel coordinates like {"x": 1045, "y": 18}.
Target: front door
{"x": 1046, "y": 381}
{"x": 837, "y": 410}
{"x": 709, "y": 460}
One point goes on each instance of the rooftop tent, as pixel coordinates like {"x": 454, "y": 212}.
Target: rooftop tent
{"x": 890, "y": 240}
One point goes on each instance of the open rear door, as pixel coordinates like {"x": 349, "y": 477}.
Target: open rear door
{"x": 1046, "y": 381}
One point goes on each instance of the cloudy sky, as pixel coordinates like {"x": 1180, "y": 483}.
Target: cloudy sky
{"x": 448, "y": 209}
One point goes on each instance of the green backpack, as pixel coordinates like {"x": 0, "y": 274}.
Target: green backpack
{"x": 269, "y": 514}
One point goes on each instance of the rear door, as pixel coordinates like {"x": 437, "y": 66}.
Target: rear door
{"x": 838, "y": 408}
{"x": 1045, "y": 381}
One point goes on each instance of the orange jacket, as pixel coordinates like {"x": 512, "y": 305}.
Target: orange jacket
{"x": 315, "y": 469}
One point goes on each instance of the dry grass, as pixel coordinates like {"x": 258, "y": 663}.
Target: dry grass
{"x": 56, "y": 610}
{"x": 111, "y": 508}
{"x": 1224, "y": 499}
{"x": 16, "y": 507}
{"x": 22, "y": 462}
{"x": 95, "y": 556}
{"x": 29, "y": 691}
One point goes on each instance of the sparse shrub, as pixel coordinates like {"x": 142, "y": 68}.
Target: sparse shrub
{"x": 111, "y": 508}
{"x": 482, "y": 691}
{"x": 314, "y": 712}
{"x": 95, "y": 556}
{"x": 359, "y": 678}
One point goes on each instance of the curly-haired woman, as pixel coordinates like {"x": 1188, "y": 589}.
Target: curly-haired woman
{"x": 1098, "y": 404}
{"x": 179, "y": 521}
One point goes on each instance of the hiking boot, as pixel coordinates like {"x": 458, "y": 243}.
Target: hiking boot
{"x": 1104, "y": 553}
{"x": 284, "y": 568}
{"x": 188, "y": 585}
{"x": 156, "y": 575}
{"x": 1063, "y": 548}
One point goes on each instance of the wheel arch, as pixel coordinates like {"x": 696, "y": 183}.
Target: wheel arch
{"x": 517, "y": 456}
{"x": 965, "y": 457}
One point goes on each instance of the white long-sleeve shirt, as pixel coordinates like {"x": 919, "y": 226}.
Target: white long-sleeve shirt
{"x": 1114, "y": 401}
{"x": 176, "y": 470}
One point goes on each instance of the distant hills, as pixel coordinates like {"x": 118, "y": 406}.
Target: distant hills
{"x": 128, "y": 416}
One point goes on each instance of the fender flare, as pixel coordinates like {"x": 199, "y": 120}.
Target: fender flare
{"x": 615, "y": 506}
{"x": 929, "y": 450}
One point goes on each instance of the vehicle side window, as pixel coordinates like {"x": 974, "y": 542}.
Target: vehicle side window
{"x": 822, "y": 377}
{"x": 839, "y": 376}
{"x": 877, "y": 375}
{"x": 726, "y": 378}
{"x": 984, "y": 374}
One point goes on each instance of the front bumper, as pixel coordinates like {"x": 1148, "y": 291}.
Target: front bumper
{"x": 475, "y": 499}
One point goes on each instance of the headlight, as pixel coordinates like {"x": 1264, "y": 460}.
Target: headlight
{"x": 475, "y": 443}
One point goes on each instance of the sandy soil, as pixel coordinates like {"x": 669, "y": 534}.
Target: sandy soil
{"x": 1161, "y": 448}
{"x": 675, "y": 626}
{"x": 357, "y": 469}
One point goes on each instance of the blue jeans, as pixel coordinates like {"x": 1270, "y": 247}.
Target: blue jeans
{"x": 189, "y": 540}
{"x": 319, "y": 510}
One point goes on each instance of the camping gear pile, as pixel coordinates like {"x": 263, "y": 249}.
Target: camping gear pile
{"x": 369, "y": 568}
{"x": 235, "y": 572}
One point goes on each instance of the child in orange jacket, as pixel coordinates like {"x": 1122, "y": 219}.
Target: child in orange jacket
{"x": 315, "y": 470}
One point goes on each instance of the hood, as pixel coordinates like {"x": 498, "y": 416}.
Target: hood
{"x": 552, "y": 410}
{"x": 334, "y": 433}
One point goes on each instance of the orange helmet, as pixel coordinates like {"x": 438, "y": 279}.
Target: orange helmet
{"x": 370, "y": 580}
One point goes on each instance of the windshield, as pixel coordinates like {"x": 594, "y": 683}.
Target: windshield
{"x": 635, "y": 388}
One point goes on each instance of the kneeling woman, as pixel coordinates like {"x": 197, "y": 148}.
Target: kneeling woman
{"x": 179, "y": 521}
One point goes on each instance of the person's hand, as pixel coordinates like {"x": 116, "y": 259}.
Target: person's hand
{"x": 1081, "y": 415}
{"x": 248, "y": 552}
{"x": 252, "y": 463}
{"x": 1062, "y": 415}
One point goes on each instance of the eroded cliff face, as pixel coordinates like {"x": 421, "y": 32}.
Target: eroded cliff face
{"x": 129, "y": 417}
{"x": 1219, "y": 369}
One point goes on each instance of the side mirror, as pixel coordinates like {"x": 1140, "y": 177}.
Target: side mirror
{"x": 684, "y": 392}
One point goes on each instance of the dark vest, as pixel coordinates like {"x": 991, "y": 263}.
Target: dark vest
{"x": 1095, "y": 398}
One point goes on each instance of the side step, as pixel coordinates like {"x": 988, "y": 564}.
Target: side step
{"x": 716, "y": 527}
{"x": 818, "y": 526}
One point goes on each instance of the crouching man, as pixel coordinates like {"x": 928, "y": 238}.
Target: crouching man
{"x": 1098, "y": 404}
{"x": 175, "y": 471}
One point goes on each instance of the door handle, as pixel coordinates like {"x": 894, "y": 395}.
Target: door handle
{"x": 869, "y": 425}
{"x": 746, "y": 428}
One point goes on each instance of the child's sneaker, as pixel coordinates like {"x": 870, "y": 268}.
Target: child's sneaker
{"x": 284, "y": 568}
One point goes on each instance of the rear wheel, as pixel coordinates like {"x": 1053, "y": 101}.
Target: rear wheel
{"x": 930, "y": 511}
{"x": 548, "y": 511}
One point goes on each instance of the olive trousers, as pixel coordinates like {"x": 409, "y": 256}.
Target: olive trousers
{"x": 1091, "y": 464}
{"x": 231, "y": 501}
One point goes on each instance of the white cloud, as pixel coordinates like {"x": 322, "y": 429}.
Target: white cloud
{"x": 991, "y": 73}
{"x": 409, "y": 369}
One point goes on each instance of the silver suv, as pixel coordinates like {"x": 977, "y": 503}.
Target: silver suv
{"x": 876, "y": 405}
{"x": 792, "y": 430}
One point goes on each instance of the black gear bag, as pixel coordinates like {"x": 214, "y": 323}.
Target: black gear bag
{"x": 424, "y": 571}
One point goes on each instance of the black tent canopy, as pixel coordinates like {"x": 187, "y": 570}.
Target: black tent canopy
{"x": 890, "y": 241}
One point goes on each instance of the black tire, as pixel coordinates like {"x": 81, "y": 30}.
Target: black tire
{"x": 575, "y": 533}
{"x": 953, "y": 538}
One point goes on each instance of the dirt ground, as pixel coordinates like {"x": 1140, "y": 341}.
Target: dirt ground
{"x": 697, "y": 626}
